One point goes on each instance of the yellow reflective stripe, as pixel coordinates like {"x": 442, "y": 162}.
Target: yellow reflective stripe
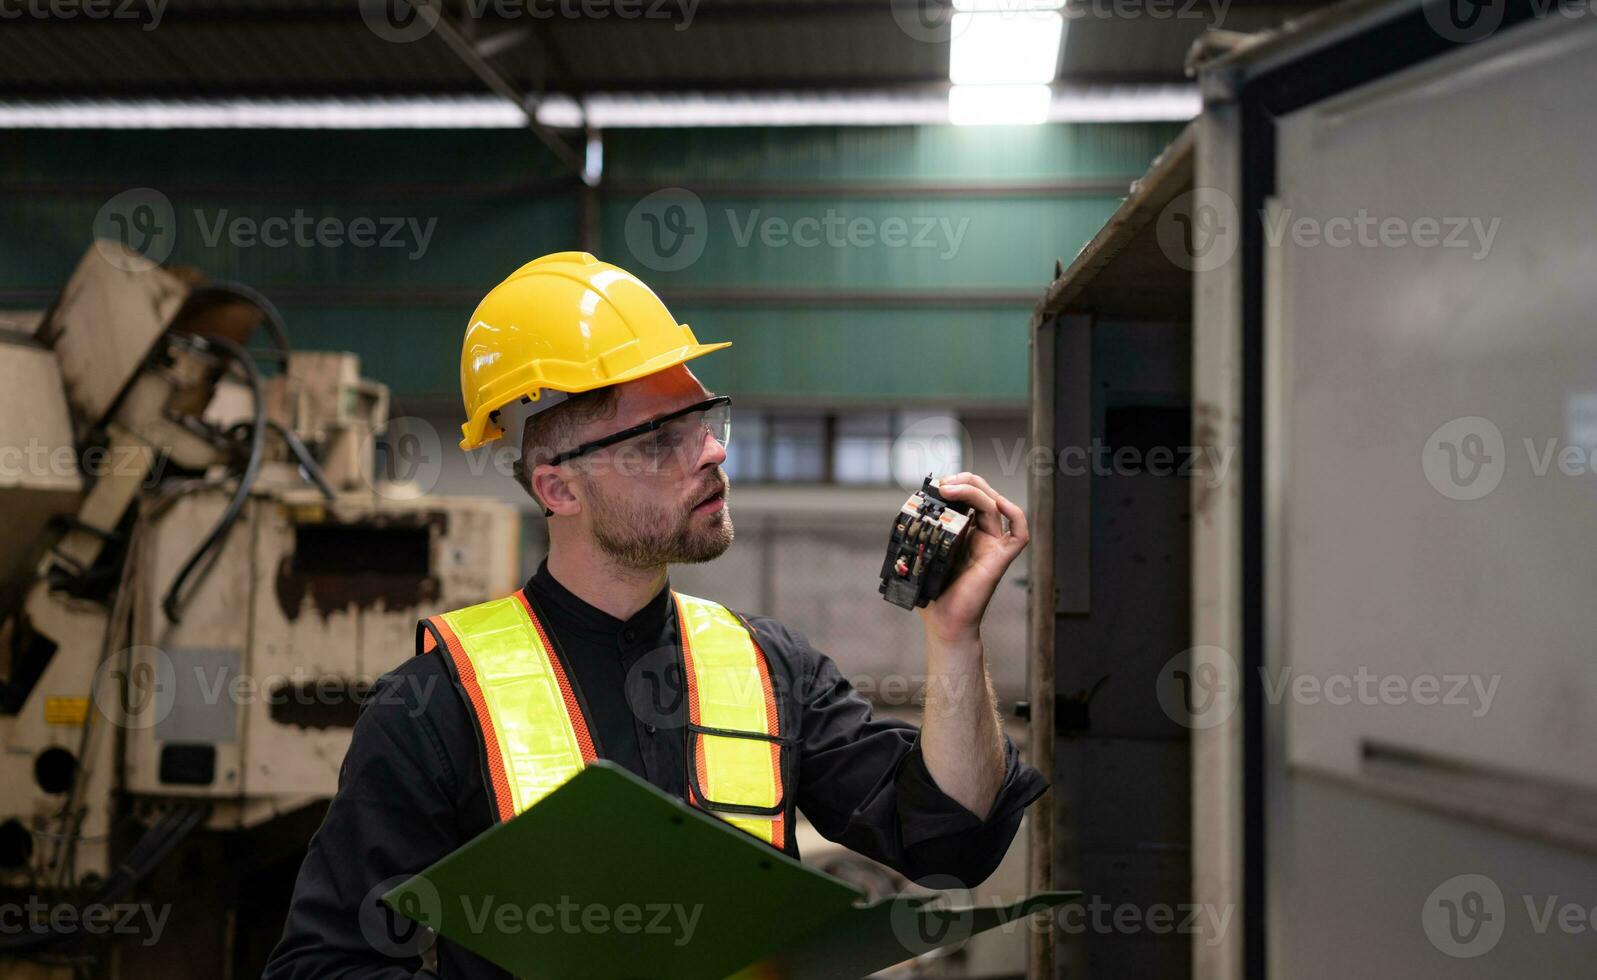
{"x": 535, "y": 734}
{"x": 727, "y": 690}
{"x": 538, "y": 747}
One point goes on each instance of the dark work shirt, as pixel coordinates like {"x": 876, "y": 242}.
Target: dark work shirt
{"x": 411, "y": 787}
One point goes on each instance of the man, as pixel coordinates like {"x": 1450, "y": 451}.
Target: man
{"x": 599, "y": 658}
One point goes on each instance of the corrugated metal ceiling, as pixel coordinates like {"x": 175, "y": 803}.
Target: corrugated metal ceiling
{"x": 205, "y": 48}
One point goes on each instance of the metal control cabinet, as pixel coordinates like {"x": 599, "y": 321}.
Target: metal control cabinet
{"x": 1329, "y": 537}
{"x": 1116, "y": 482}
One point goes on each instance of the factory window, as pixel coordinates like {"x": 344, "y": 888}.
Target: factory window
{"x": 862, "y": 448}
{"x": 797, "y": 448}
{"x": 857, "y": 448}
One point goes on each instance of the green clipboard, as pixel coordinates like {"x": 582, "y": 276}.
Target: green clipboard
{"x": 610, "y": 877}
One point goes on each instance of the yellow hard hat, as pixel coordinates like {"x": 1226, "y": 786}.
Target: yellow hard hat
{"x": 563, "y": 323}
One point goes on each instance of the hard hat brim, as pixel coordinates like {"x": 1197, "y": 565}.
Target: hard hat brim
{"x": 479, "y": 430}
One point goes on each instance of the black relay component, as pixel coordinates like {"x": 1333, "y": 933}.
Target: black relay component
{"x": 930, "y": 536}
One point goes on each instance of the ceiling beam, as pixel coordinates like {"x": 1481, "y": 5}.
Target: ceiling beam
{"x": 446, "y": 31}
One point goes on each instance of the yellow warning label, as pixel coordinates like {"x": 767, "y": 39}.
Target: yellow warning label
{"x": 65, "y": 711}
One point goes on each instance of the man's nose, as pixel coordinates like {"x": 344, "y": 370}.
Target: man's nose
{"x": 713, "y": 452}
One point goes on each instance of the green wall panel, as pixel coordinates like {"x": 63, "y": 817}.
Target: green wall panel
{"x": 306, "y": 242}
{"x": 961, "y": 228}
{"x": 416, "y": 352}
{"x": 265, "y": 157}
{"x": 850, "y": 354}
{"x": 887, "y": 153}
{"x": 920, "y": 243}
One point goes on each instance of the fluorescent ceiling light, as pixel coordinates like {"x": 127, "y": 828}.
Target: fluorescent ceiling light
{"x": 998, "y": 105}
{"x": 1008, "y": 6}
{"x": 1088, "y": 103}
{"x": 1005, "y": 47}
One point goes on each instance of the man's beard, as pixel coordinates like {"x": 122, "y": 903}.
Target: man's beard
{"x": 644, "y": 535}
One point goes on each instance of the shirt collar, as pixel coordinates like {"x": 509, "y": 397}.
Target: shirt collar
{"x": 572, "y": 611}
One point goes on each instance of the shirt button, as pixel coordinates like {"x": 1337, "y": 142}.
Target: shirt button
{"x": 650, "y": 729}
{"x": 629, "y": 635}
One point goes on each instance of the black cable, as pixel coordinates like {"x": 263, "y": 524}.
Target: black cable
{"x": 173, "y": 603}
{"x": 152, "y": 848}
{"x": 273, "y": 320}
{"x": 313, "y": 469}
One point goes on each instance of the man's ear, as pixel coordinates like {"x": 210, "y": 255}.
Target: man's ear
{"x": 551, "y": 489}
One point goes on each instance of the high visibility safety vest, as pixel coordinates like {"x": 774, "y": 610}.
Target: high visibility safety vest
{"x": 534, "y": 737}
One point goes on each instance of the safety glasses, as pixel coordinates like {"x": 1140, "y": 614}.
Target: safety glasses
{"x": 654, "y": 445}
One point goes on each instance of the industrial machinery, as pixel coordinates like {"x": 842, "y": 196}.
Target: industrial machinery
{"x": 201, "y": 577}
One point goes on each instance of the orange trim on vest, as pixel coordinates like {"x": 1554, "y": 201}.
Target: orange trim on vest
{"x": 693, "y": 700}
{"x": 772, "y": 725}
{"x": 579, "y": 723}
{"x": 500, "y": 783}
{"x": 773, "y": 729}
